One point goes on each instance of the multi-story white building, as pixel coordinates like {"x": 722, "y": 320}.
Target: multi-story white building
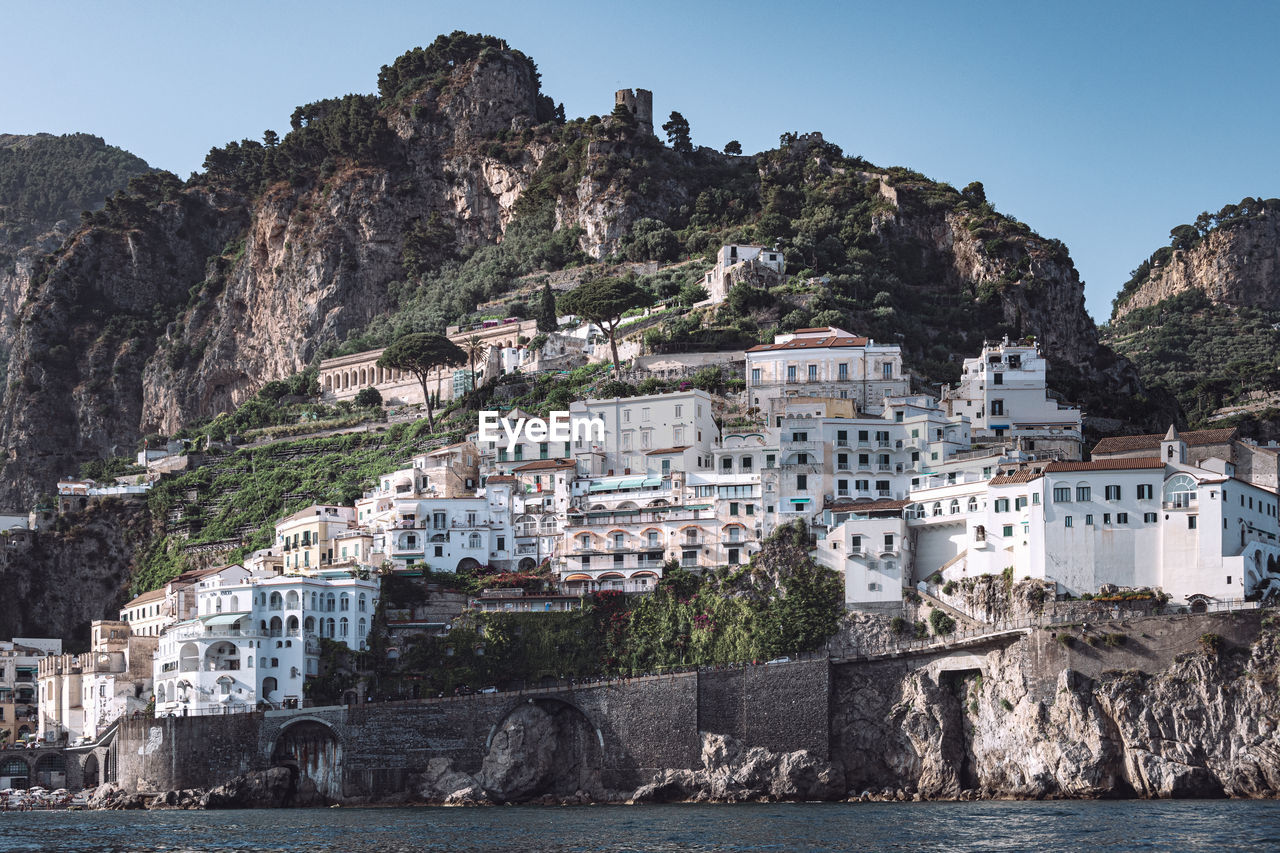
{"x": 255, "y": 639}
{"x": 1196, "y": 532}
{"x": 633, "y": 426}
{"x": 825, "y": 362}
{"x": 20, "y": 698}
{"x": 1004, "y": 393}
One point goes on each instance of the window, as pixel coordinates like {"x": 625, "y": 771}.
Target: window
{"x": 791, "y": 373}
{"x": 1113, "y": 493}
{"x": 1149, "y": 518}
{"x": 755, "y": 376}
{"x": 1191, "y": 522}
{"x": 1020, "y": 502}
{"x": 813, "y": 373}
{"x": 1035, "y": 499}
{"x": 733, "y": 508}
{"x": 769, "y": 460}
{"x": 888, "y": 541}
{"x": 1067, "y": 522}
{"x": 1088, "y": 520}
{"x": 997, "y": 407}
{"x": 843, "y": 371}
{"x": 886, "y": 370}
{"x": 1144, "y": 492}
{"x": 1008, "y": 531}
{"x": 679, "y": 411}
{"x": 1083, "y": 493}
{"x": 1062, "y": 494}
{"x": 863, "y": 435}
{"x": 997, "y": 379}
{"x": 855, "y": 544}
{"x": 1122, "y": 518}
{"x": 1002, "y": 504}
{"x": 1106, "y": 518}
{"x": 802, "y": 482}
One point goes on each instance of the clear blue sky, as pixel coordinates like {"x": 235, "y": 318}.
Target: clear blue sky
{"x": 1101, "y": 124}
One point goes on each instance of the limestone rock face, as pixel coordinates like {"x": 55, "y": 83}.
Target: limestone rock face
{"x": 1237, "y": 265}
{"x": 523, "y": 755}
{"x": 262, "y": 789}
{"x": 733, "y": 772}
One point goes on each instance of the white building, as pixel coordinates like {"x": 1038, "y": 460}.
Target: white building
{"x": 255, "y": 640}
{"x": 867, "y": 543}
{"x": 20, "y": 697}
{"x": 826, "y": 362}
{"x": 737, "y": 263}
{"x": 636, "y": 425}
{"x": 1004, "y": 393}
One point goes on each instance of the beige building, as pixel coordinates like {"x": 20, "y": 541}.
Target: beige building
{"x": 82, "y": 695}
{"x": 825, "y": 362}
{"x": 306, "y": 538}
{"x": 344, "y": 376}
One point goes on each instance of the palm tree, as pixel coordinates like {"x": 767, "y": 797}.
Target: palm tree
{"x": 474, "y": 347}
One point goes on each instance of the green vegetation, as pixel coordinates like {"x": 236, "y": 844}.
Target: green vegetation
{"x": 245, "y": 493}
{"x": 941, "y": 623}
{"x": 1211, "y": 644}
{"x": 46, "y": 178}
{"x": 781, "y": 604}
{"x": 1205, "y": 355}
{"x": 604, "y": 301}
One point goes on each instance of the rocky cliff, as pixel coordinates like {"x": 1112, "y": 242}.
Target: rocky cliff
{"x": 1235, "y": 263}
{"x": 1199, "y": 317}
{"x": 375, "y": 215}
{"x": 61, "y": 578}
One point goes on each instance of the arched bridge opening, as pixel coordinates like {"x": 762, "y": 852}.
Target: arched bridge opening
{"x": 543, "y": 746}
{"x": 312, "y": 751}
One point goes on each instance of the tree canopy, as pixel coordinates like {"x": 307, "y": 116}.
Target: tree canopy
{"x": 604, "y": 301}
{"x": 421, "y": 353}
{"x": 677, "y": 128}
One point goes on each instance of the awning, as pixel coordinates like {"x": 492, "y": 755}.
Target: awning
{"x": 799, "y": 500}
{"x": 652, "y": 482}
{"x": 223, "y": 618}
{"x": 578, "y": 577}
{"x": 617, "y": 483}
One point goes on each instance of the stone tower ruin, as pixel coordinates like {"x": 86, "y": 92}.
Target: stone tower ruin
{"x": 640, "y": 103}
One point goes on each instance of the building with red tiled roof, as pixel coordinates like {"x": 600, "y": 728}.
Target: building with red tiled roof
{"x": 1250, "y": 462}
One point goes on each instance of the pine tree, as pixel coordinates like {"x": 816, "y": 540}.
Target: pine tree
{"x": 547, "y": 310}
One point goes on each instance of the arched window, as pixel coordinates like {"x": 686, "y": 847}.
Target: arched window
{"x": 291, "y": 601}
{"x": 1179, "y": 491}
{"x": 343, "y": 624}
{"x": 345, "y": 603}
{"x": 277, "y": 602}
{"x": 473, "y": 541}
{"x": 973, "y": 504}
{"x": 362, "y": 602}
{"x": 329, "y": 605}
{"x": 360, "y": 628}
{"x": 954, "y": 508}
{"x": 310, "y": 625}
{"x": 937, "y": 508}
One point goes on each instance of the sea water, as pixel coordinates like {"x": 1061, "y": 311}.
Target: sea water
{"x": 1184, "y": 825}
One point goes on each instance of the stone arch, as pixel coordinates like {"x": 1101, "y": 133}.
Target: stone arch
{"x": 542, "y": 745}
{"x": 15, "y": 769}
{"x": 312, "y": 750}
{"x": 51, "y": 770}
{"x": 89, "y": 771}
{"x": 468, "y": 564}
{"x": 527, "y": 564}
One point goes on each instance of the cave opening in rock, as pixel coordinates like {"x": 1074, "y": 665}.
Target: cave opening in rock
{"x": 543, "y": 747}
{"x": 312, "y": 751}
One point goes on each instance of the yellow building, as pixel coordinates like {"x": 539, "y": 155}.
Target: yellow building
{"x": 306, "y": 538}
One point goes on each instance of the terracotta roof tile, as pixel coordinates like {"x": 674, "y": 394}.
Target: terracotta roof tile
{"x": 1106, "y": 465}
{"x": 1016, "y": 477}
{"x": 1194, "y": 438}
{"x": 813, "y": 343}
{"x": 544, "y": 464}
